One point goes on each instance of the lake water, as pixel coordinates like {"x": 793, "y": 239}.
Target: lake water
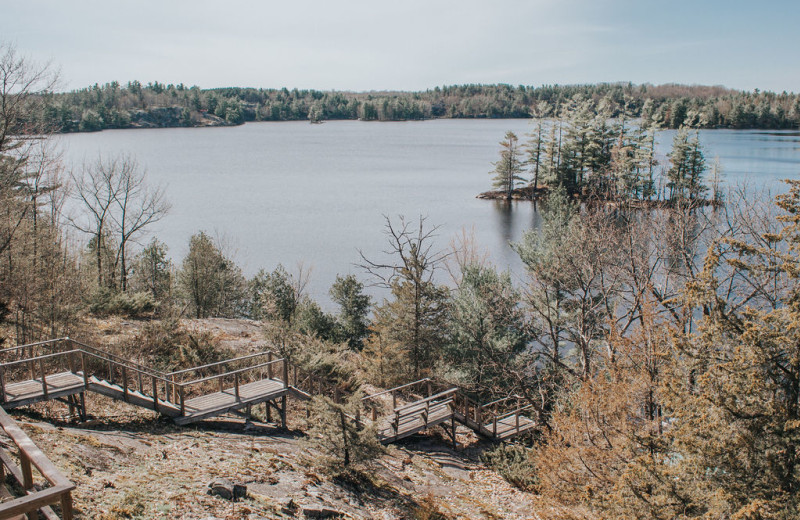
{"x": 292, "y": 192}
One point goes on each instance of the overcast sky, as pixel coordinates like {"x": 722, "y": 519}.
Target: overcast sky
{"x": 411, "y": 44}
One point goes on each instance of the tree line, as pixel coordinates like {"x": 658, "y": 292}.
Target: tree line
{"x": 134, "y": 104}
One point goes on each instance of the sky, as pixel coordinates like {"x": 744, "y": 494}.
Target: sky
{"x": 364, "y": 45}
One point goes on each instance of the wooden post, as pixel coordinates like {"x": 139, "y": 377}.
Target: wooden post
{"x": 174, "y": 390}
{"x": 183, "y": 404}
{"x": 453, "y": 426}
{"x": 236, "y": 385}
{"x": 394, "y": 399}
{"x": 374, "y": 414}
{"x": 139, "y": 378}
{"x": 44, "y": 379}
{"x": 283, "y": 412}
{"x": 110, "y": 373}
{"x": 83, "y": 369}
{"x": 27, "y": 475}
{"x": 269, "y": 411}
{"x": 428, "y": 388}
{"x": 285, "y": 374}
{"x": 220, "y": 379}
{"x": 66, "y": 506}
{"x": 269, "y": 365}
{"x": 494, "y": 430}
{"x": 155, "y": 393}
{"x": 71, "y": 403}
{"x": 83, "y": 406}
{"x": 71, "y": 362}
{"x": 124, "y": 384}
{"x": 2, "y": 386}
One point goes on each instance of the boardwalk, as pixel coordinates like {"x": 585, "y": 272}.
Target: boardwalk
{"x": 66, "y": 369}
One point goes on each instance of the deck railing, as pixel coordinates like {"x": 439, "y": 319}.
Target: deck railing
{"x": 56, "y": 490}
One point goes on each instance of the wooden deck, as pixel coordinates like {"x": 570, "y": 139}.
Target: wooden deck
{"x": 32, "y": 391}
{"x": 415, "y": 423}
{"x": 218, "y": 403}
{"x": 508, "y": 427}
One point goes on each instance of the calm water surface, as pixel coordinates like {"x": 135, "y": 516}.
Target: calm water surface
{"x": 292, "y": 192}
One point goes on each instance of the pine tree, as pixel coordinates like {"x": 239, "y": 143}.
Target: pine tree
{"x": 508, "y": 170}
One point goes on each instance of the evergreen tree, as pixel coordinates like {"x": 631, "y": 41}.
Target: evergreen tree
{"x": 354, "y": 306}
{"x": 507, "y": 171}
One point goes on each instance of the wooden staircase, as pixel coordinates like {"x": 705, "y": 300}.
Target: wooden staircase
{"x": 422, "y": 407}
{"x": 64, "y": 369}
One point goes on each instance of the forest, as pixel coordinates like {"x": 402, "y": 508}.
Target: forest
{"x": 593, "y": 156}
{"x": 134, "y": 105}
{"x": 659, "y": 350}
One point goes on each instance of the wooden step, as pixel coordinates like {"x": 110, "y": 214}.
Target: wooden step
{"x": 114, "y": 391}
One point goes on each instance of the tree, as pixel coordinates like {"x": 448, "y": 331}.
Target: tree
{"x": 354, "y": 306}
{"x": 687, "y": 166}
{"x": 22, "y": 85}
{"x": 119, "y": 204}
{"x": 212, "y": 283}
{"x": 507, "y": 171}
{"x": 343, "y": 443}
{"x": 151, "y": 271}
{"x": 414, "y": 317}
{"x": 486, "y": 333}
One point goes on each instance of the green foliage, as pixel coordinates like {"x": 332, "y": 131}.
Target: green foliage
{"x": 115, "y": 106}
{"x": 274, "y": 296}
{"x": 687, "y": 166}
{"x": 354, "y": 307}
{"x": 507, "y": 171}
{"x": 211, "y": 283}
{"x": 151, "y": 271}
{"x": 104, "y": 301}
{"x": 514, "y": 463}
{"x": 486, "y": 332}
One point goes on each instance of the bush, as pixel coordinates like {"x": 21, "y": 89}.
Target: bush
{"x": 104, "y": 302}
{"x": 169, "y": 346}
{"x": 513, "y": 462}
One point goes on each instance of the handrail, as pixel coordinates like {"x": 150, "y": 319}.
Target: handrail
{"x": 249, "y": 356}
{"x": 513, "y": 412}
{"x": 38, "y": 343}
{"x": 427, "y": 399}
{"x": 30, "y": 454}
{"x": 153, "y": 375}
{"x": 502, "y": 399}
{"x": 424, "y": 380}
{"x": 38, "y": 358}
{"x": 108, "y": 356}
{"x": 217, "y": 376}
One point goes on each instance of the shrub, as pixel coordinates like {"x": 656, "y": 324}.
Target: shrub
{"x": 513, "y": 462}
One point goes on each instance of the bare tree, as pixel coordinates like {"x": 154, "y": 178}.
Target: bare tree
{"x": 21, "y": 85}
{"x": 118, "y": 204}
{"x": 415, "y": 317}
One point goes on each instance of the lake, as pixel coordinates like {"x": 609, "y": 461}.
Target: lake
{"x": 292, "y": 192}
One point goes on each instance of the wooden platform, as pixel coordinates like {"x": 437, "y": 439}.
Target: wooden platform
{"x": 507, "y": 427}
{"x": 415, "y": 423}
{"x": 32, "y": 391}
{"x": 218, "y": 403}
